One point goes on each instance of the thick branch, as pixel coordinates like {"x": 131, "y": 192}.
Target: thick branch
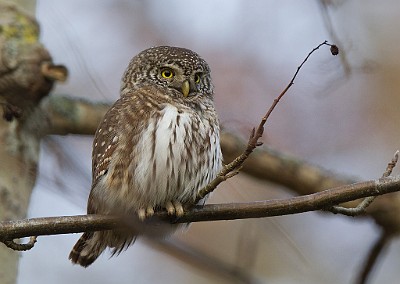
{"x": 318, "y": 201}
{"x": 272, "y": 165}
{"x": 69, "y": 115}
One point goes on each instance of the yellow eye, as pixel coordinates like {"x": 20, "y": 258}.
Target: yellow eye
{"x": 167, "y": 73}
{"x": 197, "y": 78}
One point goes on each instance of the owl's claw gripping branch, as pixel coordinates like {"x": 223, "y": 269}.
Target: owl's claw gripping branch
{"x": 145, "y": 213}
{"x": 174, "y": 208}
{"x": 149, "y": 211}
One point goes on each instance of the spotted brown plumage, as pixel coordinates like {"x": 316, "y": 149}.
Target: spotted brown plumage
{"x": 155, "y": 148}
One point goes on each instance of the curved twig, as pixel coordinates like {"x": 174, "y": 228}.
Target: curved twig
{"x": 233, "y": 167}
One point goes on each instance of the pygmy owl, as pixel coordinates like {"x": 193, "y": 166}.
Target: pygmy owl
{"x": 156, "y": 147}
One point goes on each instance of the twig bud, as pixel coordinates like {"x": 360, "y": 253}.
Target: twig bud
{"x": 334, "y": 49}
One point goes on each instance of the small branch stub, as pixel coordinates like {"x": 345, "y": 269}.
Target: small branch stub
{"x": 54, "y": 72}
{"x": 360, "y": 208}
{"x": 10, "y": 111}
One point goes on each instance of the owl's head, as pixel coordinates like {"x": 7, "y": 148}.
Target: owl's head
{"x": 180, "y": 70}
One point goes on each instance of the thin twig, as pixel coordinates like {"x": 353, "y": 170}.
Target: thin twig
{"x": 386, "y": 235}
{"x": 360, "y": 208}
{"x": 21, "y": 247}
{"x": 333, "y": 35}
{"x": 376, "y": 250}
{"x": 232, "y": 168}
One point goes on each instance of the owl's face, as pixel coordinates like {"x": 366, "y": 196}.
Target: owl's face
{"x": 180, "y": 70}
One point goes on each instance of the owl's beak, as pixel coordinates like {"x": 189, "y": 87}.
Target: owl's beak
{"x": 185, "y": 88}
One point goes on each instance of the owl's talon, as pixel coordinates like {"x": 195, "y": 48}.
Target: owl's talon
{"x": 145, "y": 213}
{"x": 141, "y": 214}
{"x": 178, "y": 209}
{"x": 174, "y": 208}
{"x": 170, "y": 208}
{"x": 149, "y": 211}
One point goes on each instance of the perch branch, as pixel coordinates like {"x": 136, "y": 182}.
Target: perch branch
{"x": 10, "y": 230}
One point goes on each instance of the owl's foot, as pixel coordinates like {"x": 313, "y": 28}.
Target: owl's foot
{"x": 174, "y": 208}
{"x": 144, "y": 213}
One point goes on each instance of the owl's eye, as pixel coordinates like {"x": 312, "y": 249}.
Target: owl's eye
{"x": 167, "y": 73}
{"x": 197, "y": 78}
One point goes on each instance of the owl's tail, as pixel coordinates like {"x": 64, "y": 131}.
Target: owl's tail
{"x": 87, "y": 249}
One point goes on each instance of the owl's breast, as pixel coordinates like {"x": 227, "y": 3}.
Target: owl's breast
{"x": 177, "y": 154}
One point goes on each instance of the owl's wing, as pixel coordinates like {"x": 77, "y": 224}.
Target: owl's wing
{"x": 122, "y": 123}
{"x": 105, "y": 141}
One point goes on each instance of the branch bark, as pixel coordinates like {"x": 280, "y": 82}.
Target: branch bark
{"x": 318, "y": 201}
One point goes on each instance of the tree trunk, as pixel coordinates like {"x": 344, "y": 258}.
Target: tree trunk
{"x": 23, "y": 84}
{"x": 18, "y": 167}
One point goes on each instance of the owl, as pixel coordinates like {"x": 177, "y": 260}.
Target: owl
{"x": 155, "y": 148}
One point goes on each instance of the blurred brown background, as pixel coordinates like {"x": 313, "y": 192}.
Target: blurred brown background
{"x": 341, "y": 114}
